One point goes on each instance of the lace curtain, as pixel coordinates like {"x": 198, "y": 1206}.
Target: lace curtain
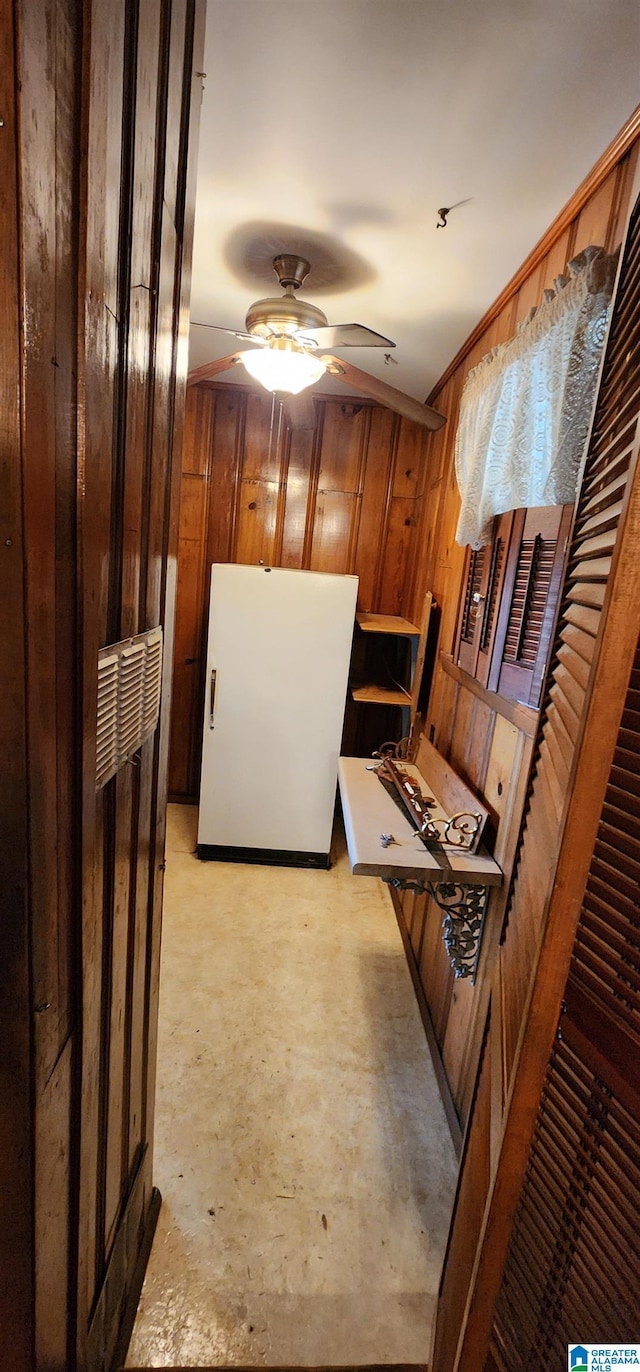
{"x": 526, "y": 407}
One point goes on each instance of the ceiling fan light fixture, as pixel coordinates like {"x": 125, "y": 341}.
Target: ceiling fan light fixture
{"x": 283, "y": 366}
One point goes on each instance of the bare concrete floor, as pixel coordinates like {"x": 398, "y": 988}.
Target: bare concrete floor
{"x": 301, "y": 1149}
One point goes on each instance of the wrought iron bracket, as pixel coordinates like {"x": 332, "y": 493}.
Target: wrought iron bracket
{"x": 464, "y": 910}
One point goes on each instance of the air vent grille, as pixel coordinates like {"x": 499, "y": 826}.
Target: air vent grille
{"x": 129, "y": 685}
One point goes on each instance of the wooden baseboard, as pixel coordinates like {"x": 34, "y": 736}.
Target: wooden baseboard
{"x": 438, "y": 1065}
{"x": 115, "y": 1309}
{"x": 131, "y": 1308}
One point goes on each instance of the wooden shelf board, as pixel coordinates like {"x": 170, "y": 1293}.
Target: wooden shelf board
{"x": 380, "y": 695}
{"x": 369, "y": 811}
{"x": 386, "y": 624}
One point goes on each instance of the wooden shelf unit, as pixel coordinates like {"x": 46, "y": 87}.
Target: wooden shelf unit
{"x": 403, "y": 692}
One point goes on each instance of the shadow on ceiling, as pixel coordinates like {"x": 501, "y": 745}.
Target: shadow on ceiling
{"x": 249, "y": 252}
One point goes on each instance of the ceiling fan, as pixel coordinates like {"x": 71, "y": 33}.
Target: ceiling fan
{"x": 288, "y": 332}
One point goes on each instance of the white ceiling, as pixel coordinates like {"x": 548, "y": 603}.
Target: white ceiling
{"x": 339, "y": 127}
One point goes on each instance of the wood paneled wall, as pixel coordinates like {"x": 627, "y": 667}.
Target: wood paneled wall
{"x": 496, "y": 1012}
{"x": 553, "y": 987}
{"x": 488, "y": 739}
{"x": 341, "y": 497}
{"x": 96, "y": 220}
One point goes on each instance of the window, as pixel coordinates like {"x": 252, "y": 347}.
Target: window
{"x": 510, "y": 593}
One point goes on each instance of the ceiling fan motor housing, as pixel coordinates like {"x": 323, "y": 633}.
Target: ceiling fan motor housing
{"x": 285, "y": 314}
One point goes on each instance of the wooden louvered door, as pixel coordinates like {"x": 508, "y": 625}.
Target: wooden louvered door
{"x": 592, "y": 657}
{"x": 573, "y": 1268}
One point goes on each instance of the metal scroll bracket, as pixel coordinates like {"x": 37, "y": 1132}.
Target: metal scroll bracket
{"x": 464, "y": 911}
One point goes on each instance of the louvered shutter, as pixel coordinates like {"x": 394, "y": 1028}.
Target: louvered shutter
{"x": 573, "y": 1268}
{"x": 483, "y": 585}
{"x": 493, "y": 591}
{"x": 471, "y": 612}
{"x": 529, "y": 602}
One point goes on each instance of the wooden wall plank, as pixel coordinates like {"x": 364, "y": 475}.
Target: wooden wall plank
{"x": 263, "y": 424}
{"x": 333, "y": 530}
{"x": 256, "y": 521}
{"x": 47, "y": 146}
{"x": 186, "y": 43}
{"x": 344, "y": 435}
{"x": 198, "y": 429}
{"x": 225, "y": 471}
{"x": 300, "y": 453}
{"x": 16, "y": 1200}
{"x": 54, "y": 1249}
{"x": 129, "y": 885}
{"x": 102, "y": 83}
{"x": 473, "y": 1185}
{"x": 435, "y": 972}
{"x": 400, "y": 537}
{"x": 593, "y": 222}
{"x": 376, "y": 493}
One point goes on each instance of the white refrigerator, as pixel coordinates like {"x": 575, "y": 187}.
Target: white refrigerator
{"x": 278, "y": 655}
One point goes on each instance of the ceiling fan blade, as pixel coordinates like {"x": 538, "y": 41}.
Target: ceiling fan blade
{"x": 375, "y": 389}
{"x": 235, "y": 333}
{"x": 300, "y": 410}
{"x": 346, "y": 336}
{"x": 211, "y": 369}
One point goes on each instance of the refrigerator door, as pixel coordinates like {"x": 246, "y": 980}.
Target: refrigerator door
{"x": 277, "y": 665}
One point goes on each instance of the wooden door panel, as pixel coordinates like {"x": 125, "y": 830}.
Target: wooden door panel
{"x": 97, "y": 226}
{"x": 129, "y": 557}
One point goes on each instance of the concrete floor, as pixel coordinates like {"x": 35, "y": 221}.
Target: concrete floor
{"x": 302, "y": 1152}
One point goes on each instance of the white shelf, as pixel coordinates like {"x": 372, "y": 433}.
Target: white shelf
{"x": 369, "y": 812}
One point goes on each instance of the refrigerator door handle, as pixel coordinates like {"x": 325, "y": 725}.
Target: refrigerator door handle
{"x": 212, "y": 695}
